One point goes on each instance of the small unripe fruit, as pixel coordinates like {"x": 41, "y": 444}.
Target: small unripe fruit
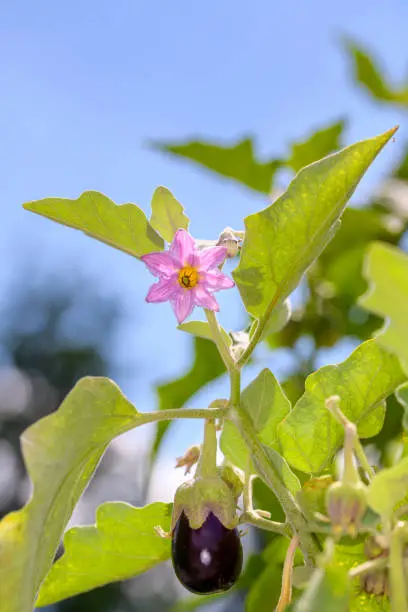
{"x": 346, "y": 505}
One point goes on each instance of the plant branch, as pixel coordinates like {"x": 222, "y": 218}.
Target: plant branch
{"x": 253, "y": 518}
{"x": 181, "y": 413}
{"x": 270, "y": 475}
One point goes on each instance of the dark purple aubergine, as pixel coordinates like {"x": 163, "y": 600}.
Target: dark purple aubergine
{"x": 208, "y": 559}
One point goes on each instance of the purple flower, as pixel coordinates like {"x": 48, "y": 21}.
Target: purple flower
{"x": 187, "y": 276}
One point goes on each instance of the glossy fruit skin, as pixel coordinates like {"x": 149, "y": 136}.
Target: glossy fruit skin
{"x": 208, "y": 559}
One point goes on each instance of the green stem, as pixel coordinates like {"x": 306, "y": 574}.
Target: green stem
{"x": 270, "y": 475}
{"x": 333, "y": 405}
{"x": 219, "y": 340}
{"x": 257, "y": 335}
{"x": 207, "y": 464}
{"x": 181, "y": 413}
{"x": 396, "y": 569}
{"x": 252, "y": 518}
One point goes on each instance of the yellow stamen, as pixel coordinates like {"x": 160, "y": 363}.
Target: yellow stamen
{"x": 188, "y": 277}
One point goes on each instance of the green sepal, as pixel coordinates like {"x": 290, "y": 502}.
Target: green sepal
{"x": 200, "y": 496}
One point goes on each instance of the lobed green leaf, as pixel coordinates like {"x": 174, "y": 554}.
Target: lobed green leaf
{"x": 124, "y": 227}
{"x": 309, "y": 436}
{"x": 61, "y": 453}
{"x": 368, "y": 74}
{"x": 122, "y": 544}
{"x": 236, "y": 162}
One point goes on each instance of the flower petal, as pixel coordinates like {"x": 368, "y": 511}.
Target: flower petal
{"x": 182, "y": 247}
{"x": 215, "y": 281}
{"x": 163, "y": 290}
{"x": 205, "y": 299}
{"x": 183, "y": 304}
{"x": 212, "y": 257}
{"x": 160, "y": 264}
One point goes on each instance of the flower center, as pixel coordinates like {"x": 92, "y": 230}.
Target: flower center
{"x": 188, "y": 277}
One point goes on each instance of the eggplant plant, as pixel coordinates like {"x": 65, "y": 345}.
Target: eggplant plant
{"x": 344, "y": 533}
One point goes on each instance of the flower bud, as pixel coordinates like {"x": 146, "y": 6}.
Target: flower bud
{"x": 228, "y": 239}
{"x": 346, "y": 505}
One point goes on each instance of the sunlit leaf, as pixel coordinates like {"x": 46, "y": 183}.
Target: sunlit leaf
{"x": 61, "y": 453}
{"x": 236, "y": 162}
{"x": 318, "y": 145}
{"x": 309, "y": 436}
{"x": 386, "y": 269}
{"x": 369, "y": 75}
{"x": 202, "y": 330}
{"x": 122, "y": 544}
{"x": 167, "y": 214}
{"x": 266, "y": 404}
{"x": 283, "y": 240}
{"x": 388, "y": 487}
{"x": 124, "y": 227}
{"x": 207, "y": 366}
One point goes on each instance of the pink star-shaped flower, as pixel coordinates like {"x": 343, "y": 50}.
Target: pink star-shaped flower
{"x": 188, "y": 276}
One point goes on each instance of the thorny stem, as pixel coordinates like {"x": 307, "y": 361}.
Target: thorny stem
{"x": 286, "y": 591}
{"x": 396, "y": 569}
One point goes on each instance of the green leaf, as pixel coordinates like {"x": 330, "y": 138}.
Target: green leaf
{"x": 309, "y": 436}
{"x": 328, "y": 589}
{"x": 388, "y": 487}
{"x": 122, "y": 544}
{"x": 265, "y": 589}
{"x": 386, "y": 269}
{"x": 167, "y": 214}
{"x": 367, "y": 73}
{"x": 318, "y": 145}
{"x": 266, "y": 404}
{"x": 124, "y": 227}
{"x": 202, "y": 330}
{"x": 402, "y": 397}
{"x": 237, "y": 161}
{"x": 207, "y": 366}
{"x": 283, "y": 240}
{"x": 61, "y": 453}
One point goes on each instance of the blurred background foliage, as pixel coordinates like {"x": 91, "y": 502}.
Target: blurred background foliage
{"x": 42, "y": 354}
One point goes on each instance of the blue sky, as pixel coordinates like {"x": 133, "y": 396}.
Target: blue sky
{"x": 85, "y": 85}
